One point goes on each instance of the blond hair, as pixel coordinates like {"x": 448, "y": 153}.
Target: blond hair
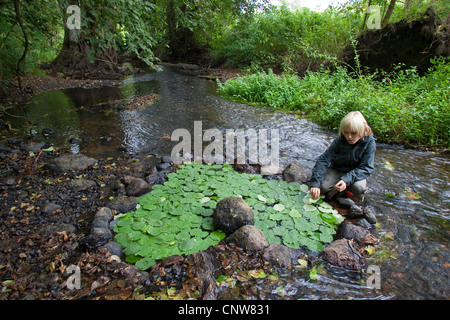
{"x": 355, "y": 123}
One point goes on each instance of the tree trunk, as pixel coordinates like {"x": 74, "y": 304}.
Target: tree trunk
{"x": 78, "y": 58}
{"x": 388, "y": 14}
{"x": 181, "y": 40}
{"x": 366, "y": 15}
{"x": 25, "y": 36}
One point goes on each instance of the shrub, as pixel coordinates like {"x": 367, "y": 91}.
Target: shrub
{"x": 403, "y": 107}
{"x": 286, "y": 39}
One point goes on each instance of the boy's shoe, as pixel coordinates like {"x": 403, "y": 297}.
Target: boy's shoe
{"x": 329, "y": 195}
{"x": 346, "y": 202}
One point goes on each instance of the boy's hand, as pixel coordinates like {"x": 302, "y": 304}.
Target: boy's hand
{"x": 315, "y": 192}
{"x": 340, "y": 186}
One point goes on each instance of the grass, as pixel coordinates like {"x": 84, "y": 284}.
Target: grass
{"x": 402, "y": 107}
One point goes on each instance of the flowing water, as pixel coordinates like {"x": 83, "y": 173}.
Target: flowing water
{"x": 410, "y": 189}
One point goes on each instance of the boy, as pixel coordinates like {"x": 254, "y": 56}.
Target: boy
{"x": 349, "y": 160}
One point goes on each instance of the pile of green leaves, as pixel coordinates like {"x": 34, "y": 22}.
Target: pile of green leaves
{"x": 176, "y": 217}
{"x": 288, "y": 39}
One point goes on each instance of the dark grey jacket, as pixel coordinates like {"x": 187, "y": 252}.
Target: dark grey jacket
{"x": 356, "y": 161}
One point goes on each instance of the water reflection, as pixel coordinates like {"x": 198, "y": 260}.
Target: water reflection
{"x": 410, "y": 189}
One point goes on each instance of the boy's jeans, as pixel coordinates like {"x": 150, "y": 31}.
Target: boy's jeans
{"x": 333, "y": 176}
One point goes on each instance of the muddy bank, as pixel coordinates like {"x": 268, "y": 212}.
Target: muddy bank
{"x": 407, "y": 43}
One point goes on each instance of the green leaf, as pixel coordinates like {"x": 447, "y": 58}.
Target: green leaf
{"x": 217, "y": 235}
{"x": 302, "y": 263}
{"x": 308, "y": 199}
{"x": 262, "y": 198}
{"x": 145, "y": 263}
{"x": 208, "y": 224}
{"x": 309, "y": 207}
{"x": 187, "y": 245}
{"x": 304, "y": 188}
{"x": 279, "y": 207}
{"x": 338, "y": 218}
{"x": 295, "y": 213}
{"x": 204, "y": 200}
{"x": 313, "y": 273}
{"x": 277, "y": 216}
{"x": 325, "y": 210}
{"x": 273, "y": 184}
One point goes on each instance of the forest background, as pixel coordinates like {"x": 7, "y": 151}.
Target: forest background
{"x": 290, "y": 59}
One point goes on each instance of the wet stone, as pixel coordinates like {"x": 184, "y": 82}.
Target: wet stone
{"x": 50, "y": 207}
{"x": 72, "y": 162}
{"x": 100, "y": 222}
{"x": 163, "y": 166}
{"x": 81, "y": 184}
{"x": 352, "y": 231}
{"x": 232, "y": 213}
{"x": 137, "y": 187}
{"x": 114, "y": 248}
{"x": 123, "y": 204}
{"x": 277, "y": 255}
{"x": 156, "y": 178}
{"x": 249, "y": 238}
{"x": 99, "y": 237}
{"x": 294, "y": 172}
{"x": 341, "y": 253}
{"x": 32, "y": 146}
{"x": 166, "y": 159}
{"x": 104, "y": 213}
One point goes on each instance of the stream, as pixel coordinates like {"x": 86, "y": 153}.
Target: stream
{"x": 410, "y": 189}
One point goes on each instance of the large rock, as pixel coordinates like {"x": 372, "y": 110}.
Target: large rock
{"x": 98, "y": 237}
{"x": 137, "y": 187}
{"x": 341, "y": 253}
{"x": 249, "y": 238}
{"x": 156, "y": 178}
{"x": 123, "y": 204}
{"x": 104, "y": 213}
{"x": 352, "y": 231}
{"x": 53, "y": 229}
{"x": 232, "y": 213}
{"x": 32, "y": 146}
{"x": 71, "y": 162}
{"x": 293, "y": 172}
{"x": 359, "y": 234}
{"x": 278, "y": 255}
{"x": 114, "y": 248}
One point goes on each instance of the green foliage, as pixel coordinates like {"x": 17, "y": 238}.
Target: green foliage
{"x": 42, "y": 20}
{"x": 176, "y": 218}
{"x": 402, "y": 107}
{"x": 287, "y": 39}
{"x": 191, "y": 25}
{"x": 120, "y": 25}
